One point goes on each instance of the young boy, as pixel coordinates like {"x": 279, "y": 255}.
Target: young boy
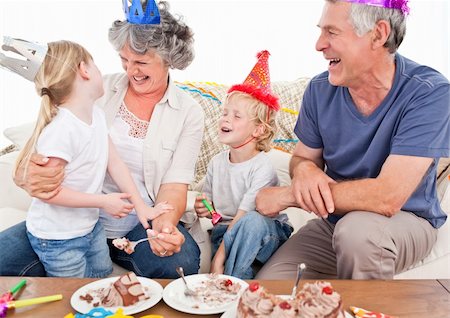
{"x": 234, "y": 177}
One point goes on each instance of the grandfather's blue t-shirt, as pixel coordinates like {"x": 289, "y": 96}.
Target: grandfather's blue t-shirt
{"x": 413, "y": 120}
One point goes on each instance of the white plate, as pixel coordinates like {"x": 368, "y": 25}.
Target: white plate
{"x": 232, "y": 312}
{"x": 174, "y": 297}
{"x": 153, "y": 290}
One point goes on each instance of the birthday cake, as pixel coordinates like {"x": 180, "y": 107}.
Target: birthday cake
{"x": 125, "y": 291}
{"x": 314, "y": 300}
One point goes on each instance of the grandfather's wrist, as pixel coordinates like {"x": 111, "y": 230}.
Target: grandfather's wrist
{"x": 305, "y": 164}
{"x": 287, "y": 197}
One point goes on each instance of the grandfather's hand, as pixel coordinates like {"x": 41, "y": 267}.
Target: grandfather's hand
{"x": 165, "y": 238}
{"x": 311, "y": 189}
{"x": 272, "y": 200}
{"x": 40, "y": 181}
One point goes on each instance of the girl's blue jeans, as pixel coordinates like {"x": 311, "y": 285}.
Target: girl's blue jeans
{"x": 84, "y": 256}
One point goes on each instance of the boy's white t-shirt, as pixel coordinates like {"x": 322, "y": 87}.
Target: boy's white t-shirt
{"x": 233, "y": 186}
{"x": 85, "y": 148}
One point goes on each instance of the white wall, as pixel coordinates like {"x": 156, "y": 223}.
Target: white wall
{"x": 228, "y": 35}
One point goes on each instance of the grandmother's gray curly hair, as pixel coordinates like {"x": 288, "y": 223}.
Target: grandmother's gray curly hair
{"x": 172, "y": 40}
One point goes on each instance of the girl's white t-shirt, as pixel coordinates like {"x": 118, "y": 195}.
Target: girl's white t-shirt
{"x": 85, "y": 148}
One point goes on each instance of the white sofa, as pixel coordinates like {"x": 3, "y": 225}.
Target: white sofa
{"x": 14, "y": 201}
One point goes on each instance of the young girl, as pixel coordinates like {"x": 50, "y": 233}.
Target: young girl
{"x": 71, "y": 131}
{"x": 234, "y": 177}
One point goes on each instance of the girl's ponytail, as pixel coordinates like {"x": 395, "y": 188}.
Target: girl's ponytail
{"x": 46, "y": 113}
{"x": 54, "y": 83}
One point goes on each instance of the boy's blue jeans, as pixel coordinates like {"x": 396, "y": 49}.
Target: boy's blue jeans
{"x": 85, "y": 256}
{"x": 253, "y": 238}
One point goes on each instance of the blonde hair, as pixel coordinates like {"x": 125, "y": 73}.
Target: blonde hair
{"x": 261, "y": 114}
{"x": 54, "y": 83}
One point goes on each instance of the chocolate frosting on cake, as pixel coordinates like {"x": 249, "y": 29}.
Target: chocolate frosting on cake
{"x": 129, "y": 289}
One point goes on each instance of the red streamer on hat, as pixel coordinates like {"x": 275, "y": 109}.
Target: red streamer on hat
{"x": 257, "y": 83}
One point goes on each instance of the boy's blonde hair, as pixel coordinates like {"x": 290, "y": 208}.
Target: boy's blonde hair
{"x": 261, "y": 114}
{"x": 54, "y": 83}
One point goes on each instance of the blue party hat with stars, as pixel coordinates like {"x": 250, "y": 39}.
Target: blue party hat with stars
{"x": 135, "y": 13}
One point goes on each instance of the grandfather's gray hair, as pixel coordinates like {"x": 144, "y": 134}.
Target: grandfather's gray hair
{"x": 172, "y": 40}
{"x": 364, "y": 17}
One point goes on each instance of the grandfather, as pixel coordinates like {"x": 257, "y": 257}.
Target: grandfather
{"x": 371, "y": 131}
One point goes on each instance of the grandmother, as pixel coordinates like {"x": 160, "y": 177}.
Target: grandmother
{"x": 157, "y": 130}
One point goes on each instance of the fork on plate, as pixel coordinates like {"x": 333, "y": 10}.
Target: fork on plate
{"x": 187, "y": 290}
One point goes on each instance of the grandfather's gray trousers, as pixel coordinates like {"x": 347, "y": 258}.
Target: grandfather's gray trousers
{"x": 362, "y": 245}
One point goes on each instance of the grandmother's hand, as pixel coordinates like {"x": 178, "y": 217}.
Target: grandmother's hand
{"x": 165, "y": 238}
{"x": 40, "y": 181}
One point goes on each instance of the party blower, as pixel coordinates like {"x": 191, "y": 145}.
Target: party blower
{"x": 9, "y": 295}
{"x": 26, "y": 302}
{"x": 216, "y": 217}
{"x": 362, "y": 313}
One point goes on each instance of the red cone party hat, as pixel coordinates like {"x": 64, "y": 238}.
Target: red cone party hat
{"x": 257, "y": 83}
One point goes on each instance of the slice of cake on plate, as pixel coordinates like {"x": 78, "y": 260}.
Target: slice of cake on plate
{"x": 125, "y": 291}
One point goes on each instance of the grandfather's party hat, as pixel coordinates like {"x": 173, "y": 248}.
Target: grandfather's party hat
{"x": 27, "y": 59}
{"x": 391, "y": 4}
{"x": 257, "y": 83}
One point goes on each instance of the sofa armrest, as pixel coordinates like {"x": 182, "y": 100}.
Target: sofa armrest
{"x": 11, "y": 195}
